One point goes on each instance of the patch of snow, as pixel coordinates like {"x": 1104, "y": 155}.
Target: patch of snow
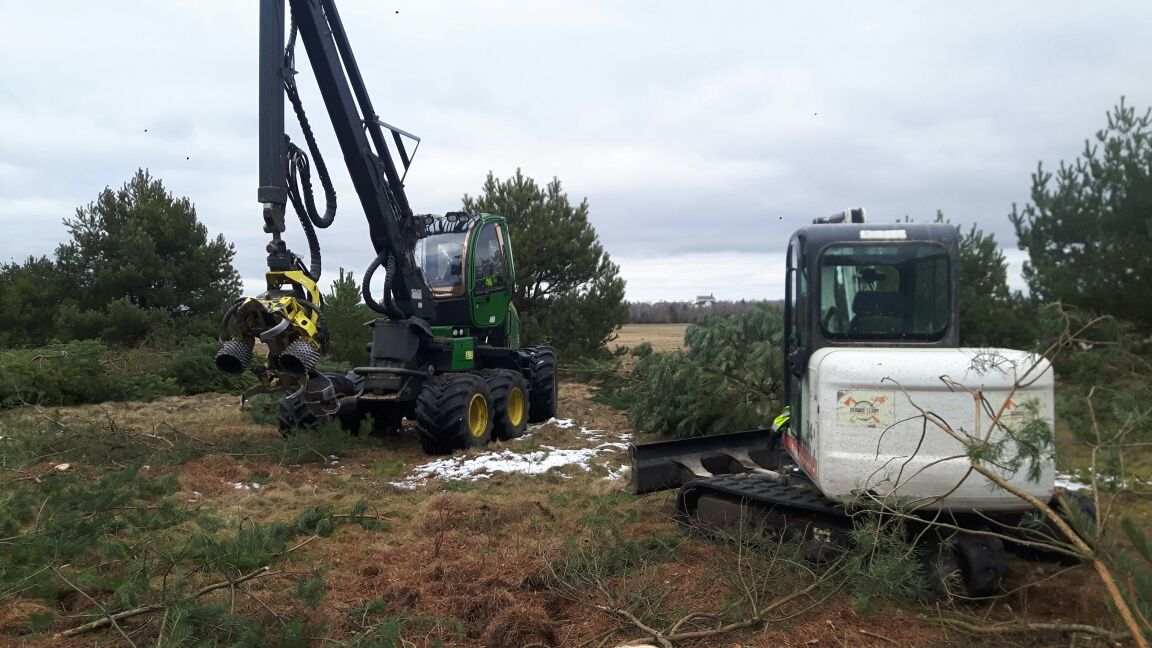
{"x": 244, "y": 486}
{"x": 536, "y": 462}
{"x": 1077, "y": 482}
{"x": 619, "y": 473}
{"x": 1070, "y": 483}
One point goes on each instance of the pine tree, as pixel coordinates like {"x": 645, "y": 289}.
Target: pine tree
{"x": 569, "y": 293}
{"x": 139, "y": 256}
{"x": 346, "y": 315}
{"x": 30, "y": 298}
{"x": 1089, "y": 237}
{"x": 990, "y": 315}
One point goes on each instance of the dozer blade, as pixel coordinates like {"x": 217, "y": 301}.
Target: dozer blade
{"x": 669, "y": 464}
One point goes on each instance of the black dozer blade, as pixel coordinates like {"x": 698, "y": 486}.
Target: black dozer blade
{"x": 669, "y": 464}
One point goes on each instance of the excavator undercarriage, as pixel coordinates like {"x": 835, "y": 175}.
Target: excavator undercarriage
{"x": 743, "y": 483}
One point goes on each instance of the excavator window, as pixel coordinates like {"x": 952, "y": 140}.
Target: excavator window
{"x": 884, "y": 291}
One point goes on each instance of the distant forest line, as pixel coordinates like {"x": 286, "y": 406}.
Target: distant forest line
{"x": 664, "y": 312}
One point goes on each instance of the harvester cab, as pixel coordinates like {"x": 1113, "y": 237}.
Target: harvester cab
{"x": 467, "y": 261}
{"x": 872, "y": 355}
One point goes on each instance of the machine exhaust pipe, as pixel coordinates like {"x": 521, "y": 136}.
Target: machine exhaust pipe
{"x": 234, "y": 356}
{"x": 300, "y": 357}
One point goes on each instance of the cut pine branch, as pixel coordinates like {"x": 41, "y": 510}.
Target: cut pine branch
{"x": 113, "y": 619}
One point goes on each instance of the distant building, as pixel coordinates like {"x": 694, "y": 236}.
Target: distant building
{"x": 704, "y": 301}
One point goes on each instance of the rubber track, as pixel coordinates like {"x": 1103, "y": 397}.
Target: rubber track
{"x": 985, "y": 558}
{"x": 760, "y": 491}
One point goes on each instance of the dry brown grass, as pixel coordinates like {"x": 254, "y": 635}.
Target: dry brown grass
{"x": 474, "y": 556}
{"x": 662, "y": 337}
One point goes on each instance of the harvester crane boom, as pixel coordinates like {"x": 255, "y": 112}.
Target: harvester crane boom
{"x": 392, "y": 227}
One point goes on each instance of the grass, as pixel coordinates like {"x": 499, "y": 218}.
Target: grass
{"x": 662, "y": 337}
{"x": 510, "y": 560}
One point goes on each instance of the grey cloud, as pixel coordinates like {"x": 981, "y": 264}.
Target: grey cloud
{"x": 691, "y": 129}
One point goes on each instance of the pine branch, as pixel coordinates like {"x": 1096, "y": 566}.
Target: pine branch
{"x": 112, "y": 619}
{"x": 1021, "y": 628}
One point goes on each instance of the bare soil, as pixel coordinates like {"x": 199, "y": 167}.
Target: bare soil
{"x": 480, "y": 563}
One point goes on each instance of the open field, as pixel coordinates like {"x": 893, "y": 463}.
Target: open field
{"x": 662, "y": 337}
{"x": 508, "y": 559}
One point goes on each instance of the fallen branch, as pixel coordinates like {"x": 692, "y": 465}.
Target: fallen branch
{"x": 1021, "y": 628}
{"x": 666, "y": 640}
{"x": 108, "y": 619}
{"x": 113, "y": 619}
{"x": 878, "y": 636}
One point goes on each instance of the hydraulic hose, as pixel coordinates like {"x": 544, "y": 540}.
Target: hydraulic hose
{"x": 298, "y": 162}
{"x": 389, "y": 308}
{"x": 305, "y": 170}
{"x": 223, "y": 335}
{"x": 300, "y": 190}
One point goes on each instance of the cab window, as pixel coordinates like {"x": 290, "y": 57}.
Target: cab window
{"x": 884, "y": 291}
{"x": 490, "y": 271}
{"x": 441, "y": 257}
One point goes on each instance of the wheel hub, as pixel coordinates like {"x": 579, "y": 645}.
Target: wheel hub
{"x": 477, "y": 416}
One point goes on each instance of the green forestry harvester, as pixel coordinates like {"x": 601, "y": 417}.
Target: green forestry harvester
{"x": 445, "y": 350}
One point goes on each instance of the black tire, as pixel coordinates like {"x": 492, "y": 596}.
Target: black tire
{"x": 386, "y": 420}
{"x": 509, "y": 403}
{"x": 983, "y": 563}
{"x": 543, "y": 392}
{"x": 1084, "y": 507}
{"x": 448, "y": 416}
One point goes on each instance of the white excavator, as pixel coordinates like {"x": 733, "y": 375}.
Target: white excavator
{"x": 884, "y": 407}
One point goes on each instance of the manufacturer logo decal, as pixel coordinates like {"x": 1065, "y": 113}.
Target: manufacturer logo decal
{"x": 865, "y": 408}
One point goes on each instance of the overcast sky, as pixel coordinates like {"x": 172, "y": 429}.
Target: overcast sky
{"x": 702, "y": 134}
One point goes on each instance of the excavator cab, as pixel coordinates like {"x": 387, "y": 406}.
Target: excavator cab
{"x": 858, "y": 285}
{"x": 871, "y": 327}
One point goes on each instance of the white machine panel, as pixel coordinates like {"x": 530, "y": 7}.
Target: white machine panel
{"x": 865, "y": 432}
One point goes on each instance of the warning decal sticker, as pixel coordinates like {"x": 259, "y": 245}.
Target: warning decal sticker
{"x": 865, "y": 408}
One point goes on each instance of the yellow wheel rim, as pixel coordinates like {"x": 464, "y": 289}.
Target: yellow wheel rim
{"x": 478, "y": 416}
{"x": 516, "y": 406}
